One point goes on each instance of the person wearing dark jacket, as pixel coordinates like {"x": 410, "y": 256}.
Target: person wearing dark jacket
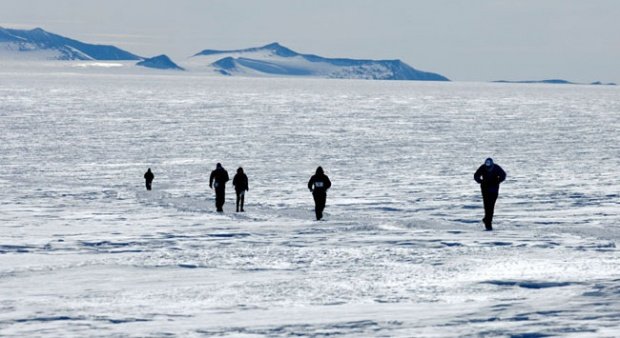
{"x": 148, "y": 177}
{"x": 489, "y": 176}
{"x": 319, "y": 184}
{"x": 217, "y": 181}
{"x": 240, "y": 181}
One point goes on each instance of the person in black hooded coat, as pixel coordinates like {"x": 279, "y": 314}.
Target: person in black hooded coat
{"x": 319, "y": 184}
{"x": 218, "y": 179}
{"x": 489, "y": 176}
{"x": 240, "y": 181}
{"x": 148, "y": 177}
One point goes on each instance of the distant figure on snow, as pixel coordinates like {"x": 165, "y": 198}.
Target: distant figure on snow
{"x": 489, "y": 176}
{"x": 217, "y": 181}
{"x": 240, "y": 181}
{"x": 319, "y": 184}
{"x": 148, "y": 177}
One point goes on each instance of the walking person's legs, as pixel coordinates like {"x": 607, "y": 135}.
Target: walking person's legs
{"x": 220, "y": 199}
{"x": 319, "y": 204}
{"x": 489, "y": 199}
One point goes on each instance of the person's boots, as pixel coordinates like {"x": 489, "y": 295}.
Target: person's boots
{"x": 487, "y": 224}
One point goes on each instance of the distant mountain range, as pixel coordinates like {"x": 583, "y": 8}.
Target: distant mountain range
{"x": 276, "y": 60}
{"x": 270, "y": 60}
{"x": 40, "y": 43}
{"x": 557, "y": 81}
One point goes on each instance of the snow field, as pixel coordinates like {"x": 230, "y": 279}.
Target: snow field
{"x": 84, "y": 250}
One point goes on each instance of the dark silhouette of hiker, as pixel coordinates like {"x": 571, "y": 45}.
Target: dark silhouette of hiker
{"x": 148, "y": 177}
{"x": 240, "y": 181}
{"x": 489, "y": 176}
{"x": 319, "y": 184}
{"x": 217, "y": 181}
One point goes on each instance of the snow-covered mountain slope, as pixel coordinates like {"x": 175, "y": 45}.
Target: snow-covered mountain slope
{"x": 40, "y": 44}
{"x": 277, "y": 60}
{"x": 159, "y": 62}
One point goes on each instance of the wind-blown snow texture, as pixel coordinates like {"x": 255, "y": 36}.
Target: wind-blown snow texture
{"x": 86, "y": 251}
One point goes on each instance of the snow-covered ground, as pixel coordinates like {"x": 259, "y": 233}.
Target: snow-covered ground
{"x": 86, "y": 251}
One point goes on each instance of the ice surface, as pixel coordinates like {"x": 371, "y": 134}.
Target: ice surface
{"x": 86, "y": 251}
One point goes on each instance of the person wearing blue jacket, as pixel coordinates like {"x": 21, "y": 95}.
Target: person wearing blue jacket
{"x": 489, "y": 176}
{"x": 319, "y": 184}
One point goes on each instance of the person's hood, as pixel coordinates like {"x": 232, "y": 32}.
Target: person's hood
{"x": 488, "y": 162}
{"x": 319, "y": 171}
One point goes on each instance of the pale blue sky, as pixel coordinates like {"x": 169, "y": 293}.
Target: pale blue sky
{"x": 466, "y": 40}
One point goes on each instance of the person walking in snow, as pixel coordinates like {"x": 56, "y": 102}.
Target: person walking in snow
{"x": 319, "y": 184}
{"x": 217, "y": 181}
{"x": 148, "y": 177}
{"x": 489, "y": 176}
{"x": 240, "y": 181}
